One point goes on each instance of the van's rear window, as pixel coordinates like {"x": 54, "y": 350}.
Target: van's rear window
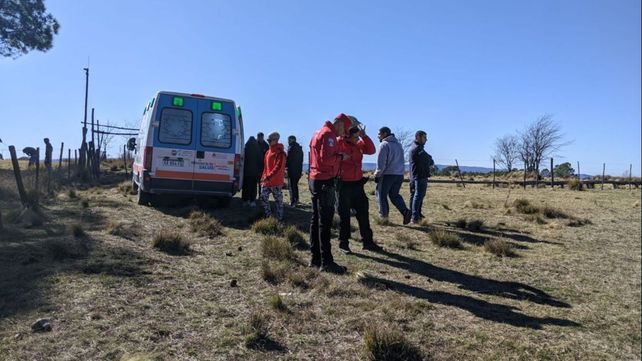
{"x": 216, "y": 130}
{"x": 175, "y": 126}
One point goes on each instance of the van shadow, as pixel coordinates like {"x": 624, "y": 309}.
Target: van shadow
{"x": 512, "y": 290}
{"x": 480, "y": 308}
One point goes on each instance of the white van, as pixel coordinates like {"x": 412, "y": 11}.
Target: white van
{"x": 188, "y": 144}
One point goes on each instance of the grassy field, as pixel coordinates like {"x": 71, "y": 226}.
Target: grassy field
{"x": 90, "y": 259}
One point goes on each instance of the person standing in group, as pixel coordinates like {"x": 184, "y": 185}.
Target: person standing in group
{"x": 48, "y": 154}
{"x": 32, "y": 153}
{"x": 420, "y": 164}
{"x": 389, "y": 175}
{"x": 273, "y": 176}
{"x": 294, "y": 167}
{"x": 252, "y": 165}
{"x": 263, "y": 146}
{"x": 351, "y": 192}
{"x": 325, "y": 159}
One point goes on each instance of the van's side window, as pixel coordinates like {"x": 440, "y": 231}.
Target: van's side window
{"x": 216, "y": 130}
{"x": 175, "y": 126}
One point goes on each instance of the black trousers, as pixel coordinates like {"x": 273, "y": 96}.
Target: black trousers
{"x": 352, "y": 196}
{"x": 250, "y": 185}
{"x": 294, "y": 188}
{"x": 321, "y": 223}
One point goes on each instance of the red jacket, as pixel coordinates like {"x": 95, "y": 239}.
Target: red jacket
{"x": 274, "y": 166}
{"x": 351, "y": 168}
{"x": 324, "y": 153}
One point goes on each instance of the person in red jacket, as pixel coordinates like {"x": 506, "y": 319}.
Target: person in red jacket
{"x": 351, "y": 192}
{"x": 325, "y": 159}
{"x": 273, "y": 176}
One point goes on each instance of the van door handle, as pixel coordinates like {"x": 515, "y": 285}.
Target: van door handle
{"x": 200, "y": 154}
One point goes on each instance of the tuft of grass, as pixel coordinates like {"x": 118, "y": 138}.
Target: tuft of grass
{"x": 408, "y": 242}
{"x": 257, "y": 330}
{"x": 204, "y": 225}
{"x": 550, "y": 212}
{"x": 499, "y": 247}
{"x": 121, "y": 230}
{"x": 297, "y": 280}
{"x": 126, "y": 188}
{"x": 443, "y": 238}
{"x": 277, "y": 249}
{"x": 524, "y": 206}
{"x": 77, "y": 230}
{"x": 475, "y": 225}
{"x": 84, "y": 203}
{"x": 574, "y": 184}
{"x": 71, "y": 193}
{"x": 171, "y": 242}
{"x": 268, "y": 226}
{"x": 537, "y": 218}
{"x": 382, "y": 221}
{"x": 274, "y": 273}
{"x": 385, "y": 344}
{"x": 446, "y": 207}
{"x": 576, "y": 222}
{"x": 295, "y": 238}
{"x": 461, "y": 223}
{"x": 277, "y": 303}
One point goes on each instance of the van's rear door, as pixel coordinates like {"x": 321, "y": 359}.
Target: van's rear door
{"x": 215, "y": 146}
{"x": 174, "y": 138}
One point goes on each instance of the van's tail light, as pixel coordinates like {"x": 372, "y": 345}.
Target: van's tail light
{"x": 237, "y": 171}
{"x": 147, "y": 159}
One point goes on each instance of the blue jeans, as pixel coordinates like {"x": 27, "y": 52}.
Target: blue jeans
{"x": 389, "y": 186}
{"x": 417, "y": 196}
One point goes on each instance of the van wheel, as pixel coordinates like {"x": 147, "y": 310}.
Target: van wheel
{"x": 225, "y": 201}
{"x": 143, "y": 198}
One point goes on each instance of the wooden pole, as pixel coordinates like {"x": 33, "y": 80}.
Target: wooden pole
{"x": 552, "y": 174}
{"x": 125, "y": 158}
{"x": 62, "y": 146}
{"x": 579, "y": 177}
{"x": 524, "y": 184}
{"x": 37, "y": 185}
{"x": 16, "y": 172}
{"x": 493, "y": 173}
{"x": 460, "y": 176}
{"x": 69, "y": 163}
{"x": 603, "y": 171}
{"x": 75, "y": 156}
{"x": 630, "y": 175}
{"x": 83, "y": 147}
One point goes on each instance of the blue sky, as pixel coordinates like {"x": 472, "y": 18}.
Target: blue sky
{"x": 467, "y": 72}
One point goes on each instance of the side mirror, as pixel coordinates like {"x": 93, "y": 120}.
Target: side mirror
{"x": 131, "y": 144}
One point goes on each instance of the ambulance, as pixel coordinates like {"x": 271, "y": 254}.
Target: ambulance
{"x": 188, "y": 144}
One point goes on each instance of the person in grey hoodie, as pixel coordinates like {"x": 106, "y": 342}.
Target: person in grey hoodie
{"x": 389, "y": 175}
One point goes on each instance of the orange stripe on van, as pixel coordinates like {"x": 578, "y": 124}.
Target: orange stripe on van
{"x": 210, "y": 176}
{"x": 174, "y": 175}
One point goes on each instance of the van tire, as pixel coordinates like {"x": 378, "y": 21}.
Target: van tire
{"x": 143, "y": 198}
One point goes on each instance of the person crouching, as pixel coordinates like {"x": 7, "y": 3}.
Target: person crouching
{"x": 273, "y": 176}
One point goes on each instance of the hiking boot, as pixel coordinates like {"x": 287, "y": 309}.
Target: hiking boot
{"x": 344, "y": 248}
{"x": 332, "y": 267}
{"x": 407, "y": 215}
{"x": 314, "y": 263}
{"x": 371, "y": 246}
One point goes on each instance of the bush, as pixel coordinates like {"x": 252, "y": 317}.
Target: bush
{"x": 524, "y": 206}
{"x": 549, "y": 212}
{"x": 384, "y": 344}
{"x": 268, "y": 226}
{"x": 277, "y": 249}
{"x": 171, "y": 242}
{"x": 499, "y": 247}
{"x": 574, "y": 184}
{"x": 445, "y": 239}
{"x": 204, "y": 225}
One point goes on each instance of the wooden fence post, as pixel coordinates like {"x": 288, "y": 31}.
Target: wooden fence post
{"x": 16, "y": 172}
{"x": 493, "y": 173}
{"x": 630, "y": 175}
{"x": 75, "y": 157}
{"x": 37, "y": 185}
{"x": 603, "y": 171}
{"x": 579, "y": 174}
{"x": 460, "y": 176}
{"x": 125, "y": 159}
{"x": 524, "y": 184}
{"x": 69, "y": 163}
{"x": 552, "y": 174}
{"x": 62, "y": 146}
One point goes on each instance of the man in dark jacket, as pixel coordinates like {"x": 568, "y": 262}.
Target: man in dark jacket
{"x": 48, "y": 153}
{"x": 294, "y": 165}
{"x": 32, "y": 153}
{"x": 263, "y": 146}
{"x": 420, "y": 163}
{"x": 252, "y": 165}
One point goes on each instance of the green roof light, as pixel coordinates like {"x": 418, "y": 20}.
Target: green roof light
{"x": 216, "y": 106}
{"x": 177, "y": 101}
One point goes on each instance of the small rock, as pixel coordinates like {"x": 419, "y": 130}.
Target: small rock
{"x": 240, "y": 248}
{"x": 41, "y": 325}
{"x": 407, "y": 277}
{"x": 229, "y": 254}
{"x": 233, "y": 283}
{"x": 18, "y": 337}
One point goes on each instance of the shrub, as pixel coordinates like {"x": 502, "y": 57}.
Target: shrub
{"x": 461, "y": 223}
{"x": 549, "y": 212}
{"x": 445, "y": 239}
{"x": 204, "y": 225}
{"x": 277, "y": 303}
{"x": 268, "y": 226}
{"x": 295, "y": 238}
{"x": 278, "y": 249}
{"x": 384, "y": 344}
{"x": 499, "y": 247}
{"x": 524, "y": 206}
{"x": 574, "y": 184}
{"x": 171, "y": 242}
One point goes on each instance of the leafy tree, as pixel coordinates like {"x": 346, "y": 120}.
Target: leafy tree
{"x": 545, "y": 172}
{"x": 25, "y": 25}
{"x": 564, "y": 170}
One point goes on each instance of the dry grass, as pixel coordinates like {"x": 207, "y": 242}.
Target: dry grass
{"x": 385, "y": 344}
{"x": 499, "y": 247}
{"x": 443, "y": 238}
{"x": 171, "y": 242}
{"x": 277, "y": 249}
{"x": 204, "y": 225}
{"x": 268, "y": 226}
{"x": 558, "y": 300}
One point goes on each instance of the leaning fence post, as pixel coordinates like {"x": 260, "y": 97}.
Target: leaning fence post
{"x": 37, "y": 185}
{"x": 630, "y": 175}
{"x": 62, "y": 147}
{"x": 460, "y": 176}
{"x": 69, "y": 163}
{"x": 493, "y": 173}
{"x": 16, "y": 172}
{"x": 579, "y": 174}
